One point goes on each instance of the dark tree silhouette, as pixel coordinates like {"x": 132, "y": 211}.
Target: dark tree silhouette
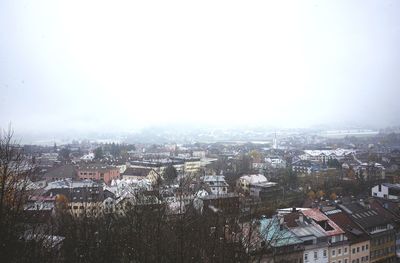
{"x": 170, "y": 173}
{"x": 98, "y": 153}
{"x": 65, "y": 154}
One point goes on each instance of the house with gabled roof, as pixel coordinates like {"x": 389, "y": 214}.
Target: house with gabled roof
{"x": 338, "y": 243}
{"x": 139, "y": 173}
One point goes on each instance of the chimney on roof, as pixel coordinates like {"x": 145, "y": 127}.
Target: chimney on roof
{"x": 294, "y": 209}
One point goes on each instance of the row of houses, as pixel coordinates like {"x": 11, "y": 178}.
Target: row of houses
{"x": 90, "y": 197}
{"x": 324, "y": 155}
{"x": 351, "y": 233}
{"x": 101, "y": 173}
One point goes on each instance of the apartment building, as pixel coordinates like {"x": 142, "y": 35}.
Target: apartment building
{"x": 338, "y": 249}
{"x": 99, "y": 172}
{"x": 359, "y": 241}
{"x": 314, "y": 239}
{"x": 380, "y": 230}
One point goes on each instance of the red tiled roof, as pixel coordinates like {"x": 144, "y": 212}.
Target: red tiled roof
{"x": 318, "y": 216}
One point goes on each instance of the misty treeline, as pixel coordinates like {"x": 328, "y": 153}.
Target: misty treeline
{"x": 145, "y": 233}
{"x": 113, "y": 149}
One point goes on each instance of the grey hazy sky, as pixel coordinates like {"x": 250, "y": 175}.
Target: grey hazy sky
{"x": 117, "y": 65}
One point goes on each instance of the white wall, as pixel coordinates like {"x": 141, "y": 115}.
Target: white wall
{"x": 384, "y": 193}
{"x": 320, "y": 255}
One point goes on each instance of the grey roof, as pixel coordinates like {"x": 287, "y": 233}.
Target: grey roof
{"x": 393, "y": 186}
{"x": 64, "y": 171}
{"x": 78, "y": 191}
{"x": 365, "y": 217}
{"x": 96, "y": 167}
{"x": 137, "y": 171}
{"x": 308, "y": 230}
{"x": 331, "y": 212}
{"x": 227, "y": 195}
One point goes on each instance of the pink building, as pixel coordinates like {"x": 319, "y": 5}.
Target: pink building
{"x": 98, "y": 172}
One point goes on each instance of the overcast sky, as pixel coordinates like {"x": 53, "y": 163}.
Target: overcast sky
{"x": 118, "y": 65}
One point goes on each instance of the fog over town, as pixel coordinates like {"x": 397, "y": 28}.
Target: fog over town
{"x": 68, "y": 66}
{"x": 200, "y": 131}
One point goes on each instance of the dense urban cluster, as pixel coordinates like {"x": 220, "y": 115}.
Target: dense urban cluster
{"x": 293, "y": 197}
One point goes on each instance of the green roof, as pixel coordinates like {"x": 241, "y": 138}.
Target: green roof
{"x": 277, "y": 235}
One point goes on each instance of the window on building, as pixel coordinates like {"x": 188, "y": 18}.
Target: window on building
{"x": 305, "y": 257}
{"x": 354, "y": 250}
{"x": 339, "y": 251}
{"x": 362, "y": 248}
{"x": 358, "y": 249}
{"x": 345, "y": 260}
{"x": 324, "y": 253}
{"x": 315, "y": 254}
{"x": 345, "y": 250}
{"x": 333, "y": 253}
{"x": 366, "y": 247}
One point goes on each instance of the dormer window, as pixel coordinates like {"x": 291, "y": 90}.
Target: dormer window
{"x": 325, "y": 225}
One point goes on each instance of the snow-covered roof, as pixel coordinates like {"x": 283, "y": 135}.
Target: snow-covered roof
{"x": 69, "y": 183}
{"x": 289, "y": 210}
{"x": 372, "y": 164}
{"x": 128, "y": 187}
{"x": 201, "y": 193}
{"x": 89, "y": 156}
{"x": 336, "y": 152}
{"x": 254, "y": 178}
{"x": 214, "y": 178}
